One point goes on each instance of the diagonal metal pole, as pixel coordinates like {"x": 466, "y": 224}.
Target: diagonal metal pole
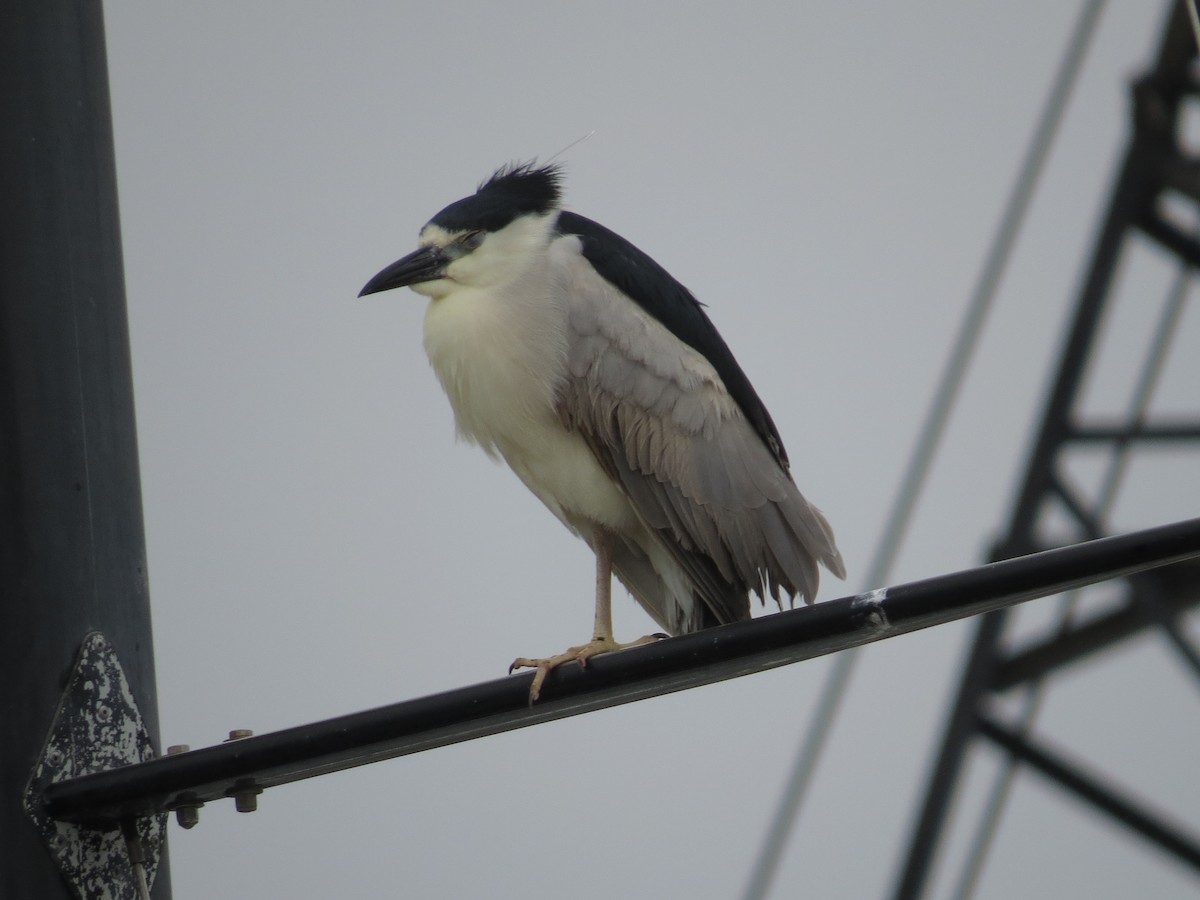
{"x": 913, "y": 481}
{"x": 1072, "y": 777}
{"x": 1133, "y": 186}
{"x": 692, "y": 660}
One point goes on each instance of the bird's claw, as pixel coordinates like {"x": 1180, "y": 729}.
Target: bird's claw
{"x": 580, "y": 654}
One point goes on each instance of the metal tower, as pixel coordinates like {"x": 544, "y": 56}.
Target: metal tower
{"x": 1154, "y": 209}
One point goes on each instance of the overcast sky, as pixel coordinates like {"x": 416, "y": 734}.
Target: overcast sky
{"x": 826, "y": 177}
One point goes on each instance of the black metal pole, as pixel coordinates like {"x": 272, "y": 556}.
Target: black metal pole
{"x": 72, "y": 551}
{"x": 1070, "y": 775}
{"x": 1177, "y": 590}
{"x": 255, "y": 763}
{"x": 1133, "y": 191}
{"x": 960, "y": 726}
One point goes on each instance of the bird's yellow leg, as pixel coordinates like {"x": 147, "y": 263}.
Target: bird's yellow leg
{"x": 602, "y": 630}
{"x": 602, "y": 640}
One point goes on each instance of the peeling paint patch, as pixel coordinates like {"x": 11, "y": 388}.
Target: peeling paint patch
{"x": 97, "y": 727}
{"x": 877, "y": 615}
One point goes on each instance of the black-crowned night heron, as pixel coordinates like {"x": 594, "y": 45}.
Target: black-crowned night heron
{"x": 598, "y": 378}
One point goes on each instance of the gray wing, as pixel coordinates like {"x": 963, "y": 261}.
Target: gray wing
{"x": 658, "y": 418}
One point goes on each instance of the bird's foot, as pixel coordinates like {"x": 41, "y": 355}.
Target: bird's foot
{"x": 580, "y": 654}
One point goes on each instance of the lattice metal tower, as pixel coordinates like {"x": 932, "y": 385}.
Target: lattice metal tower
{"x": 1072, "y": 486}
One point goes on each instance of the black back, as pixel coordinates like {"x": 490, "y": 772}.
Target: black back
{"x": 651, "y": 286}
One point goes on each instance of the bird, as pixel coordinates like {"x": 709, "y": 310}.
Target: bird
{"x": 599, "y": 379}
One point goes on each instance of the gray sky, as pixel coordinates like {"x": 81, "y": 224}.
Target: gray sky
{"x": 826, "y": 177}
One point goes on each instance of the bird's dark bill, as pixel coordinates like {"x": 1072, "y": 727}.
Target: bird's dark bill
{"x": 425, "y": 264}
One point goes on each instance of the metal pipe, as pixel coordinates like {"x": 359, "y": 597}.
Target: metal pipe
{"x": 716, "y": 654}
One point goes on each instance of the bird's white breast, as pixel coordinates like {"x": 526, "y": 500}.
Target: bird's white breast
{"x": 500, "y": 354}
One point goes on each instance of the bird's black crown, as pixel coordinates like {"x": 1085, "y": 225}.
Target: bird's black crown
{"x": 512, "y": 191}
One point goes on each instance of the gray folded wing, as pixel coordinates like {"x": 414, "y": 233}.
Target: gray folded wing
{"x": 660, "y": 421}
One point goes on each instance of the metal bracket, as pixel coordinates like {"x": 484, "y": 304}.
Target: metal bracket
{"x": 97, "y": 727}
